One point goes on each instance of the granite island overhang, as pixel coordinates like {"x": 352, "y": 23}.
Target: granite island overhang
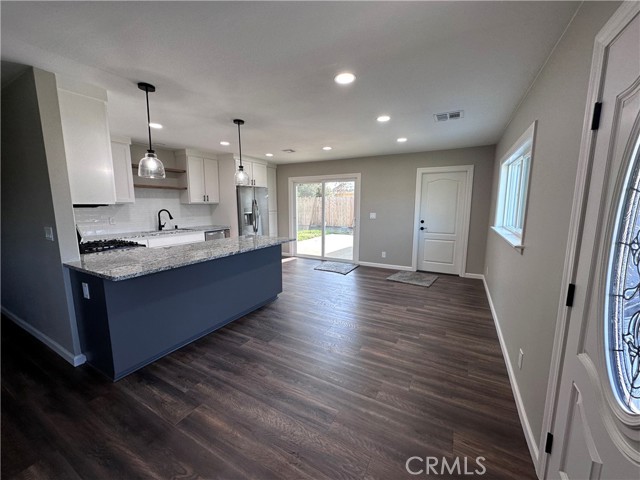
{"x": 135, "y": 306}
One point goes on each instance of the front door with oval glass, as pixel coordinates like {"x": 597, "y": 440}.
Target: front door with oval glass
{"x": 597, "y": 419}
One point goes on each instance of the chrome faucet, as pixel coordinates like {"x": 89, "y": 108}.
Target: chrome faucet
{"x": 160, "y": 224}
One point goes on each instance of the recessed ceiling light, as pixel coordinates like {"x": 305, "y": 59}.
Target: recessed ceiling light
{"x": 401, "y": 140}
{"x": 383, "y": 118}
{"x": 155, "y": 125}
{"x": 268, "y": 154}
{"x": 226, "y": 144}
{"x": 345, "y": 78}
{"x": 327, "y": 148}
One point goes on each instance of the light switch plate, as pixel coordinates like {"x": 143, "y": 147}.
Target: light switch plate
{"x": 372, "y": 215}
{"x": 48, "y": 233}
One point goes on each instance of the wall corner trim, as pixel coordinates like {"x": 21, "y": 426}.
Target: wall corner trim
{"x": 524, "y": 419}
{"x": 478, "y": 276}
{"x": 75, "y": 360}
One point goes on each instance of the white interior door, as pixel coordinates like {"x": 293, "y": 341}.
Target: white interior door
{"x": 442, "y": 221}
{"x": 597, "y": 421}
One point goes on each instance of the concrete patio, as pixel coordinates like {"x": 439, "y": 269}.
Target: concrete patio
{"x": 336, "y": 246}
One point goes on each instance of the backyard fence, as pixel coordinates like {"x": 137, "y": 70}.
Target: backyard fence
{"x": 339, "y": 212}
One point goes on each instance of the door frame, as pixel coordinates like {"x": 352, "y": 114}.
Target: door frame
{"x": 468, "y": 169}
{"x": 356, "y": 208}
{"x": 581, "y": 188}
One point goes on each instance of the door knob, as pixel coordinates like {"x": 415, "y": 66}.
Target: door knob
{"x": 421, "y": 221}
{"x": 421, "y": 228}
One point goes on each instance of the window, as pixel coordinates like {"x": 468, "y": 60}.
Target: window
{"x": 622, "y": 309}
{"x": 514, "y": 184}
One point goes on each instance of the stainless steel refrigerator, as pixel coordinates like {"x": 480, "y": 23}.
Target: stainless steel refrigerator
{"x": 253, "y": 210}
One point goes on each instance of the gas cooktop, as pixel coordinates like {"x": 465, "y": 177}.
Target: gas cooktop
{"x": 96, "y": 246}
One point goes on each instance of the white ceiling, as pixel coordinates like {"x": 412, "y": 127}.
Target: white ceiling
{"x": 273, "y": 63}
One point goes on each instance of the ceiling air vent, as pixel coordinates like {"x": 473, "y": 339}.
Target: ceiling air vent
{"x": 289, "y": 150}
{"x": 443, "y": 117}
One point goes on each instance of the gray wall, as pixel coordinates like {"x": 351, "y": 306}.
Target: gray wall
{"x": 525, "y": 288}
{"x": 35, "y": 194}
{"x": 388, "y": 187}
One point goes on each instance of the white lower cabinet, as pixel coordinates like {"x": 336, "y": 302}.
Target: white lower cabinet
{"x": 201, "y": 178}
{"x": 168, "y": 239}
{"x": 177, "y": 239}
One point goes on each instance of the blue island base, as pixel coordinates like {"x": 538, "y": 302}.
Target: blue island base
{"x": 128, "y": 324}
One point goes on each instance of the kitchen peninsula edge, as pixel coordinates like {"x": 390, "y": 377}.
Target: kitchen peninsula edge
{"x": 144, "y": 303}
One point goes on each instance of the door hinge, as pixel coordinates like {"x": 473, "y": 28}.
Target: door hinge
{"x": 570, "y": 293}
{"x": 549, "y": 443}
{"x": 595, "y": 121}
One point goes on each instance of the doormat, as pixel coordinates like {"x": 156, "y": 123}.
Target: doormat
{"x": 337, "y": 267}
{"x": 414, "y": 278}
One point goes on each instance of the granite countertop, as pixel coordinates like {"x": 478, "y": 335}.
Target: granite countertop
{"x": 124, "y": 264}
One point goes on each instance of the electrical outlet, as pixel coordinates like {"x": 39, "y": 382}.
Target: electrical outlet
{"x": 384, "y": 254}
{"x": 520, "y": 358}
{"x": 48, "y": 233}
{"x": 372, "y": 215}
{"x": 85, "y": 290}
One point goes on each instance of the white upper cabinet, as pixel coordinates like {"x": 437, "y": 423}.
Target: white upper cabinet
{"x": 123, "y": 175}
{"x": 201, "y": 177}
{"x": 211, "y": 182}
{"x": 87, "y": 143}
{"x": 257, "y": 172}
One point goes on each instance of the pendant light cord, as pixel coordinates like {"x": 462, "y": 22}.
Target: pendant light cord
{"x": 239, "y": 144}
{"x": 146, "y": 91}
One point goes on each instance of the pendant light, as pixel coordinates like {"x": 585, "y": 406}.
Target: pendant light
{"x": 150, "y": 166}
{"x": 242, "y": 178}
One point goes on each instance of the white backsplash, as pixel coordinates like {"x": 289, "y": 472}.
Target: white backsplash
{"x": 143, "y": 214}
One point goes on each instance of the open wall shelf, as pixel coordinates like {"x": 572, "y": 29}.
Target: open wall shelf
{"x": 166, "y": 169}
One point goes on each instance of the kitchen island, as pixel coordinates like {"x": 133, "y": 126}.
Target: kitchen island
{"x": 137, "y": 305}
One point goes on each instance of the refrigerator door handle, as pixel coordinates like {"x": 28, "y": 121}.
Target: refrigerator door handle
{"x": 255, "y": 214}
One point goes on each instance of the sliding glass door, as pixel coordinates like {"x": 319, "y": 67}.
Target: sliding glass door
{"x": 309, "y": 223}
{"x": 326, "y": 218}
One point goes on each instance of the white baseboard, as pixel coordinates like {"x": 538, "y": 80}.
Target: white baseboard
{"x": 524, "y": 419}
{"x": 479, "y": 276}
{"x": 387, "y": 266}
{"x": 75, "y": 360}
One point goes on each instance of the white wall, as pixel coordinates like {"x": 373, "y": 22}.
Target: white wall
{"x": 35, "y": 195}
{"x": 388, "y": 188}
{"x": 525, "y": 288}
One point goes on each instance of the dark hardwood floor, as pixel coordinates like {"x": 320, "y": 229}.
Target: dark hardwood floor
{"x": 342, "y": 377}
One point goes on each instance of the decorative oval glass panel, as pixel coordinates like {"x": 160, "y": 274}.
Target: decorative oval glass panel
{"x": 622, "y": 309}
